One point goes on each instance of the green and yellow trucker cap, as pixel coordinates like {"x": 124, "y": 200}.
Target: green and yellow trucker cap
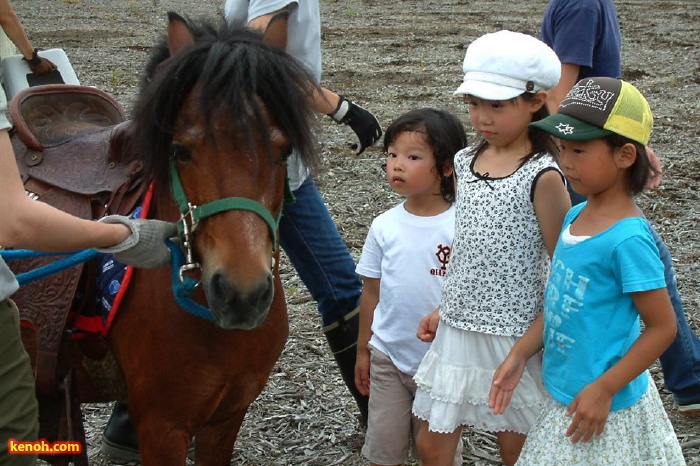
{"x": 597, "y": 107}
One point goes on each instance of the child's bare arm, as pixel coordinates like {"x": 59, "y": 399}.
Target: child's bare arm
{"x": 591, "y": 406}
{"x": 510, "y": 372}
{"x": 368, "y": 302}
{"x": 551, "y": 202}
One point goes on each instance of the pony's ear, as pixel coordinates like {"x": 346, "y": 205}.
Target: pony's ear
{"x": 179, "y": 34}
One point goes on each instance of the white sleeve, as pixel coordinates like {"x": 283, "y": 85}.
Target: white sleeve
{"x": 370, "y": 264}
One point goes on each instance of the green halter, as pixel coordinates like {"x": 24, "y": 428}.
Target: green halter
{"x": 194, "y": 214}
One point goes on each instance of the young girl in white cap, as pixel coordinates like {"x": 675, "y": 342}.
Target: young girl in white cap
{"x": 511, "y": 201}
{"x": 603, "y": 407}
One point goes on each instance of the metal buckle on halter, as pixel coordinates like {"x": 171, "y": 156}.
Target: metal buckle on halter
{"x": 187, "y": 232}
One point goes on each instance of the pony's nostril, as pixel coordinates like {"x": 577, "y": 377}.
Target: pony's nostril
{"x": 257, "y": 297}
{"x": 262, "y": 297}
{"x": 220, "y": 287}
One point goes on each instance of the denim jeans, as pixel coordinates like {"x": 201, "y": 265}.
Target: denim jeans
{"x": 680, "y": 363}
{"x": 314, "y": 246}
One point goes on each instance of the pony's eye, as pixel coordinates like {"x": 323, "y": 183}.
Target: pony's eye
{"x": 181, "y": 153}
{"x": 287, "y": 152}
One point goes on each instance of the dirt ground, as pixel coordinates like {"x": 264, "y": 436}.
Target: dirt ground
{"x": 392, "y": 56}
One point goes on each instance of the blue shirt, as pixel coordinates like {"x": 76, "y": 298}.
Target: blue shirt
{"x": 584, "y": 33}
{"x": 590, "y": 320}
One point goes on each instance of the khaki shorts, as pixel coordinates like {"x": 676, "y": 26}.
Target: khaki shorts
{"x": 391, "y": 427}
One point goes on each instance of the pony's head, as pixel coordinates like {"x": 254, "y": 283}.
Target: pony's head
{"x": 221, "y": 111}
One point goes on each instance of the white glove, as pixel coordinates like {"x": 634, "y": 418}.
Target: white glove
{"x": 146, "y": 246}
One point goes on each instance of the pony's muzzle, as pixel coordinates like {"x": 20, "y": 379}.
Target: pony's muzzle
{"x": 235, "y": 308}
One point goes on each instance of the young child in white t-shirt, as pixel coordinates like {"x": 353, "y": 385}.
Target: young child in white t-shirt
{"x": 403, "y": 265}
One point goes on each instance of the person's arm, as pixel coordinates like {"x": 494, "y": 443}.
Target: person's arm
{"x": 363, "y": 123}
{"x": 569, "y": 77}
{"x": 509, "y": 373}
{"x": 552, "y": 202}
{"x": 274, "y": 26}
{"x": 13, "y": 28}
{"x": 26, "y": 223}
{"x": 368, "y": 303}
{"x": 591, "y": 406}
{"x": 35, "y": 225}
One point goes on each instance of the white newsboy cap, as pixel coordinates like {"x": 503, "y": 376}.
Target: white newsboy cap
{"x": 504, "y": 64}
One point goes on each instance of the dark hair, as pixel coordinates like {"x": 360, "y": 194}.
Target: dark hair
{"x": 443, "y": 132}
{"x": 639, "y": 172}
{"x": 243, "y": 80}
{"x": 541, "y": 142}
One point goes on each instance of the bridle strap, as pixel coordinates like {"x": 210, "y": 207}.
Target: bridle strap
{"x": 197, "y": 213}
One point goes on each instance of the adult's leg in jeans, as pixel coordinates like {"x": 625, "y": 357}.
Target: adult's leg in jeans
{"x": 19, "y": 411}
{"x": 680, "y": 363}
{"x": 314, "y": 246}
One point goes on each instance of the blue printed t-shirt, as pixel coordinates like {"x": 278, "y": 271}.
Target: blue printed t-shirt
{"x": 590, "y": 320}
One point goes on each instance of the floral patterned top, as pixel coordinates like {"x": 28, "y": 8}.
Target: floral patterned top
{"x": 499, "y": 264}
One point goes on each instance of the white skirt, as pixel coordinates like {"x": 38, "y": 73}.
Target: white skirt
{"x": 454, "y": 380}
{"x": 635, "y": 436}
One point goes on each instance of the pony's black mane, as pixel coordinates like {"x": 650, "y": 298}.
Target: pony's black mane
{"x": 238, "y": 75}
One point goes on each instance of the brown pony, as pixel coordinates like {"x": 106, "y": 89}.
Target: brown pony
{"x": 218, "y": 114}
{"x": 223, "y": 112}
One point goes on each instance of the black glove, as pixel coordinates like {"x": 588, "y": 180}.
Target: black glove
{"x": 362, "y": 122}
{"x": 40, "y": 65}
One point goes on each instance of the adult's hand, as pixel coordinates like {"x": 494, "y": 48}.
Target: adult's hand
{"x": 146, "y": 246}
{"x": 40, "y": 65}
{"x": 361, "y": 121}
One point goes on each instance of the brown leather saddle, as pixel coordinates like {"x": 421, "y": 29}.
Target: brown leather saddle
{"x": 70, "y": 143}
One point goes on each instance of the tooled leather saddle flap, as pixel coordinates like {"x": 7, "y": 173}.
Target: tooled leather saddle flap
{"x": 66, "y": 131}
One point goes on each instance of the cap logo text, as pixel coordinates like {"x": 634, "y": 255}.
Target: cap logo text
{"x": 589, "y": 94}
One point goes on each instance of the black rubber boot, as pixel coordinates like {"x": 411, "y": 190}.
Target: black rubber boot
{"x": 342, "y": 339}
{"x": 120, "y": 440}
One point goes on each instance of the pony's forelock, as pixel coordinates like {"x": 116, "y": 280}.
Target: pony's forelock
{"x": 238, "y": 76}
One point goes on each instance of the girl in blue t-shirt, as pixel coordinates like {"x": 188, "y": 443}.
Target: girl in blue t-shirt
{"x": 606, "y": 274}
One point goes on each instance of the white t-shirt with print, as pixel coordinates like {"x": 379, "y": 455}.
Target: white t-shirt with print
{"x": 409, "y": 254}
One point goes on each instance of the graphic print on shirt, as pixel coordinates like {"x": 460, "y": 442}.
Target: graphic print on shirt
{"x": 443, "y": 256}
{"x": 564, "y": 297}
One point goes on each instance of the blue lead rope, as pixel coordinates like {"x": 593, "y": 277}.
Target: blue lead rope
{"x": 183, "y": 289}
{"x": 75, "y": 258}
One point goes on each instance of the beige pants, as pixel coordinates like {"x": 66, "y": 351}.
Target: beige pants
{"x": 391, "y": 427}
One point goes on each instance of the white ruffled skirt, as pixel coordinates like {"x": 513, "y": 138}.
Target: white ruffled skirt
{"x": 454, "y": 380}
{"x": 639, "y": 435}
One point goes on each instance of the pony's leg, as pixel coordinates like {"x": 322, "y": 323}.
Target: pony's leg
{"x": 215, "y": 440}
{"x": 161, "y": 444}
